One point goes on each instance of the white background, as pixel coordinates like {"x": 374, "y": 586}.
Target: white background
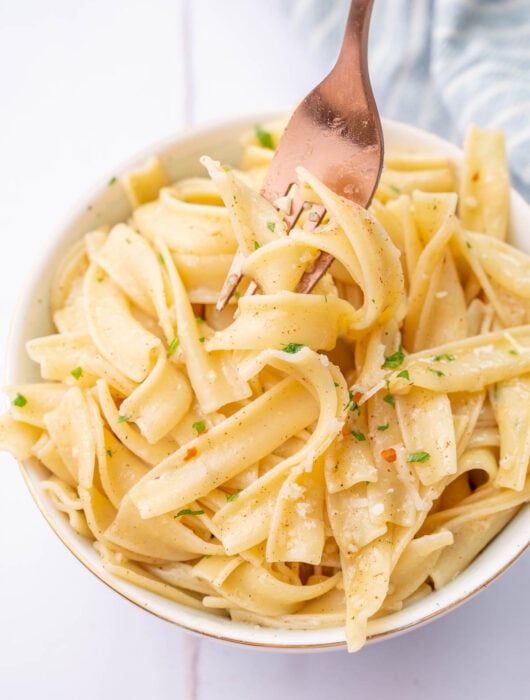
{"x": 83, "y": 86}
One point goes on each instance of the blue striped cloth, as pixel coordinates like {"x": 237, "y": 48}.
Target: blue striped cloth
{"x": 441, "y": 64}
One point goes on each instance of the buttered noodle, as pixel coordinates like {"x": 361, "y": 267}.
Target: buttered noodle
{"x": 294, "y": 461}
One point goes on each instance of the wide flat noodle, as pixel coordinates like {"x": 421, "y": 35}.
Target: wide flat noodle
{"x": 118, "y": 336}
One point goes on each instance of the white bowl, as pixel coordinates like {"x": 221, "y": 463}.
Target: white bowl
{"x": 179, "y": 156}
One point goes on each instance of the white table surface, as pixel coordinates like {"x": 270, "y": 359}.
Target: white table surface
{"x": 84, "y": 85}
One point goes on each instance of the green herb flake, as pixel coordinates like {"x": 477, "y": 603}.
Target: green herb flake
{"x": 112, "y": 180}
{"x": 161, "y": 259}
{"x": 384, "y": 427}
{"x": 199, "y": 426}
{"x": 173, "y": 345}
{"x": 513, "y": 352}
{"x": 100, "y": 279}
{"x": 124, "y": 419}
{"x": 389, "y": 398}
{"x": 109, "y": 453}
{"x": 361, "y": 437}
{"x": 293, "y": 348}
{"x": 188, "y": 511}
{"x": 264, "y": 137}
{"x": 418, "y": 457}
{"x": 271, "y": 226}
{"x": 237, "y": 294}
{"x": 202, "y": 339}
{"x": 394, "y": 360}
{"x": 77, "y": 372}
{"x": 200, "y": 319}
{"x": 468, "y": 245}
{"x": 444, "y": 356}
{"x": 404, "y": 374}
{"x": 230, "y": 497}
{"x": 20, "y": 400}
{"x": 336, "y": 384}
{"x": 437, "y": 372}
{"x": 256, "y": 245}
{"x": 226, "y": 168}
{"x": 353, "y": 405}
{"x": 395, "y": 189}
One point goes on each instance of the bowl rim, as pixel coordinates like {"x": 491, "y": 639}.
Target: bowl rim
{"x": 187, "y": 618}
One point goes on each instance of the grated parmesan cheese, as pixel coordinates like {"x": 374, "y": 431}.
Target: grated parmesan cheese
{"x": 377, "y": 509}
{"x": 284, "y": 204}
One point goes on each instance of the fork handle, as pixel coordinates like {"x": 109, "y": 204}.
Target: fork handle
{"x": 353, "y": 53}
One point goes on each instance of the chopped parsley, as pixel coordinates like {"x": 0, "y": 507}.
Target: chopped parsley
{"x": 468, "y": 245}
{"x": 264, "y": 137}
{"x": 124, "y": 419}
{"x": 444, "y": 356}
{"x": 404, "y": 374}
{"x": 256, "y": 245}
{"x": 200, "y": 319}
{"x": 109, "y": 453}
{"x": 358, "y": 435}
{"x": 20, "y": 400}
{"x": 383, "y": 427}
{"x": 173, "y": 345}
{"x": 437, "y": 372}
{"x": 394, "y": 360}
{"x": 353, "y": 401}
{"x": 202, "y": 339}
{"x": 395, "y": 189}
{"x": 77, "y": 372}
{"x": 389, "y": 398}
{"x": 232, "y": 497}
{"x": 418, "y": 457}
{"x": 513, "y": 352}
{"x": 293, "y": 348}
{"x": 188, "y": 511}
{"x": 112, "y": 180}
{"x": 161, "y": 259}
{"x": 226, "y": 168}
{"x": 199, "y": 426}
{"x": 271, "y": 226}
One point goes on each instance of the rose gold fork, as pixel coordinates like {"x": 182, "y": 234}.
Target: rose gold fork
{"x": 336, "y": 134}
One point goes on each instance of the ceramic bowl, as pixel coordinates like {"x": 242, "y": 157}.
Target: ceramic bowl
{"x": 179, "y": 156}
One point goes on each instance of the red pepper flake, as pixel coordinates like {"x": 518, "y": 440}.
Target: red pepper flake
{"x": 389, "y": 455}
{"x": 475, "y": 177}
{"x": 357, "y": 396}
{"x": 192, "y": 452}
{"x": 345, "y": 431}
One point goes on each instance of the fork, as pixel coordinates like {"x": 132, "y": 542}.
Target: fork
{"x": 336, "y": 134}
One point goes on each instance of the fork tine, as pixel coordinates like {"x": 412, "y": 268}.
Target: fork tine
{"x": 235, "y": 273}
{"x": 312, "y": 276}
{"x": 232, "y": 280}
